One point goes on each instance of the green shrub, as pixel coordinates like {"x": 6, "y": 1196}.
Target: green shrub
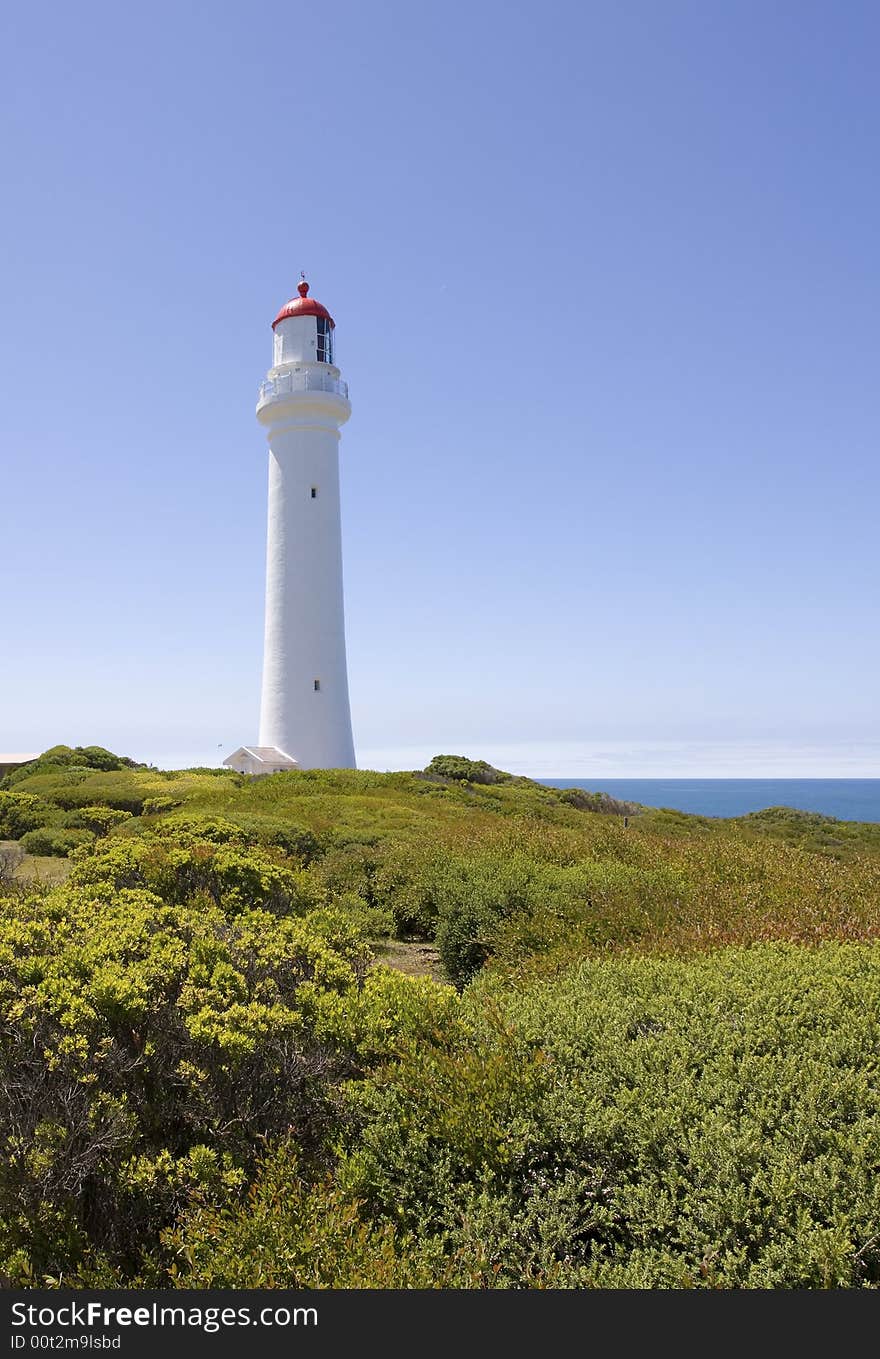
{"x": 70, "y": 788}
{"x": 67, "y": 757}
{"x": 96, "y": 757}
{"x": 216, "y": 829}
{"x": 291, "y": 1234}
{"x": 158, "y": 806}
{"x": 471, "y": 911}
{"x": 121, "y": 790}
{"x": 98, "y": 820}
{"x": 350, "y": 868}
{"x": 373, "y": 922}
{"x": 405, "y": 879}
{"x": 291, "y": 839}
{"x": 479, "y": 895}
{"x": 642, "y": 1122}
{"x": 180, "y": 872}
{"x": 51, "y": 840}
{"x": 460, "y": 768}
{"x": 146, "y": 1051}
{"x": 297, "y": 842}
{"x": 20, "y": 813}
{"x": 597, "y": 802}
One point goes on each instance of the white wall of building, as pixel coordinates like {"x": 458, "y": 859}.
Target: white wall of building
{"x": 302, "y": 410}
{"x": 262, "y": 760}
{"x": 296, "y": 340}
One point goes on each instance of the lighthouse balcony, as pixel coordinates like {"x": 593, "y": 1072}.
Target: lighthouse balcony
{"x": 301, "y": 380}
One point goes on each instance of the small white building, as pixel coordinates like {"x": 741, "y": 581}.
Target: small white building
{"x": 260, "y": 760}
{"x": 10, "y": 762}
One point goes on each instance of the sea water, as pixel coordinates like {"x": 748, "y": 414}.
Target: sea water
{"x": 846, "y": 799}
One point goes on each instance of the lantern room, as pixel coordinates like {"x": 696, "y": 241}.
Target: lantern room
{"x": 303, "y": 331}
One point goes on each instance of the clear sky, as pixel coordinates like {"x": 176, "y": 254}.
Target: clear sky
{"x": 605, "y": 277}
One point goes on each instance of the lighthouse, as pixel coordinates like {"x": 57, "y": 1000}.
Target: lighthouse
{"x": 305, "y": 720}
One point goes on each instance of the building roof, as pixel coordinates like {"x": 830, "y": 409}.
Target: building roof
{"x": 302, "y": 306}
{"x": 265, "y": 754}
{"x": 18, "y": 759}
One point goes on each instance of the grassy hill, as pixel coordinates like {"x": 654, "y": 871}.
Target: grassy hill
{"x": 491, "y": 865}
{"x": 648, "y": 1061}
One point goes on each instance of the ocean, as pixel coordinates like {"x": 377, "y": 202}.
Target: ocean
{"x": 845, "y": 799}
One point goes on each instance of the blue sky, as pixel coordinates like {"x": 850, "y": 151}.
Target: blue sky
{"x": 606, "y": 284}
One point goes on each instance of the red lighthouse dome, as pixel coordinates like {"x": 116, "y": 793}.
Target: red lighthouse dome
{"x": 302, "y": 306}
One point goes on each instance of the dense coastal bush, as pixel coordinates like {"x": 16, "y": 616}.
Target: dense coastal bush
{"x": 634, "y": 1123}
{"x": 67, "y": 757}
{"x": 645, "y": 1122}
{"x": 459, "y": 767}
{"x": 99, "y": 820}
{"x": 148, "y": 1051}
{"x": 182, "y": 871}
{"x": 656, "y": 1067}
{"x": 55, "y": 840}
{"x": 292, "y": 1234}
{"x": 22, "y": 812}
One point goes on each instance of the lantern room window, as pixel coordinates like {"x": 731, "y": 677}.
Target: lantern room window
{"x": 325, "y": 340}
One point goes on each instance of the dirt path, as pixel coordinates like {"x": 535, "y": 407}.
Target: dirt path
{"x": 415, "y": 959}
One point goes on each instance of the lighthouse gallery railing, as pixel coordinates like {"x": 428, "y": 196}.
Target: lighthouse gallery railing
{"x": 302, "y": 380}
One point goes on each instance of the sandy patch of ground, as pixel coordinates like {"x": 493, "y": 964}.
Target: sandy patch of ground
{"x": 414, "y": 958}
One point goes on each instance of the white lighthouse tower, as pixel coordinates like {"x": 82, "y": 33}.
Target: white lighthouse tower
{"x": 305, "y": 721}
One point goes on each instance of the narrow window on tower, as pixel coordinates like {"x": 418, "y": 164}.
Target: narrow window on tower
{"x": 317, "y": 685}
{"x": 325, "y": 340}
{"x": 314, "y": 493}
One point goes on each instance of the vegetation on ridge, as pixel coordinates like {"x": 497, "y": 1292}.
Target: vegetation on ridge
{"x": 655, "y": 1065}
